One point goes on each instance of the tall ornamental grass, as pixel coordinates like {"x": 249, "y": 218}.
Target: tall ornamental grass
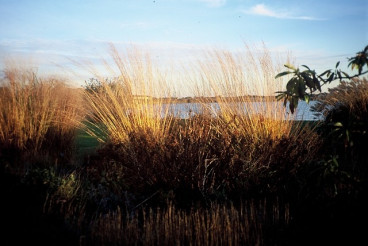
{"x": 239, "y": 152}
{"x": 244, "y": 86}
{"x": 210, "y": 153}
{"x": 37, "y": 114}
{"x": 130, "y": 100}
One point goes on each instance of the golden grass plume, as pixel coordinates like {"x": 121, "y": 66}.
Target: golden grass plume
{"x": 244, "y": 86}
{"x": 131, "y": 99}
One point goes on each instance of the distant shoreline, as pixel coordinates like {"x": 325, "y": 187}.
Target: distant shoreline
{"x": 209, "y": 99}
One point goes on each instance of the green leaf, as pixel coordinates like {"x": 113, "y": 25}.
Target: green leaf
{"x": 325, "y": 72}
{"x": 308, "y": 80}
{"x": 280, "y": 96}
{"x": 335, "y": 162}
{"x": 291, "y": 85}
{"x": 345, "y": 74}
{"x": 339, "y": 75}
{"x": 301, "y": 88}
{"x": 282, "y": 74}
{"x": 337, "y": 64}
{"x": 347, "y": 135}
{"x": 317, "y": 83}
{"x": 296, "y": 101}
{"x": 290, "y": 67}
{"x": 306, "y": 98}
{"x": 306, "y": 67}
{"x": 291, "y": 106}
{"x": 338, "y": 124}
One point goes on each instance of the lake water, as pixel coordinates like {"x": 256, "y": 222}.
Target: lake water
{"x": 184, "y": 110}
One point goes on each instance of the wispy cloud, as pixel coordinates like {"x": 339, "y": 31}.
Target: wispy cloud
{"x": 214, "y": 3}
{"x": 263, "y": 10}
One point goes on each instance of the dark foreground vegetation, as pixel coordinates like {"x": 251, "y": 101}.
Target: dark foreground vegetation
{"x": 225, "y": 179}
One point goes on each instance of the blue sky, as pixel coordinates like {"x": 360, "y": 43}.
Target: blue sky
{"x": 317, "y": 32}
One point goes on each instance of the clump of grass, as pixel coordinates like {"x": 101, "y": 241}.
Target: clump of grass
{"x": 127, "y": 102}
{"x": 38, "y": 115}
{"x": 352, "y": 95}
{"x": 211, "y": 153}
{"x": 243, "y": 84}
{"x": 243, "y": 150}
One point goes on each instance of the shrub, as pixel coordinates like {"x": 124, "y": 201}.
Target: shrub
{"x": 345, "y": 128}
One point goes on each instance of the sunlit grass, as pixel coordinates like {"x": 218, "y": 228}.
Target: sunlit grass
{"x": 353, "y": 95}
{"x": 238, "y": 170}
{"x": 234, "y": 78}
{"x": 210, "y": 151}
{"x": 37, "y": 113}
{"x": 132, "y": 101}
{"x": 246, "y": 147}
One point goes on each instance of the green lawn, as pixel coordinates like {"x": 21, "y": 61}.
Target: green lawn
{"x": 85, "y": 143}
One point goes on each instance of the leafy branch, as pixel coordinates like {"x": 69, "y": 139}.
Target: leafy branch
{"x": 304, "y": 83}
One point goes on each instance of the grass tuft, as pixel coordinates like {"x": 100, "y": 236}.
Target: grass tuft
{"x": 37, "y": 115}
